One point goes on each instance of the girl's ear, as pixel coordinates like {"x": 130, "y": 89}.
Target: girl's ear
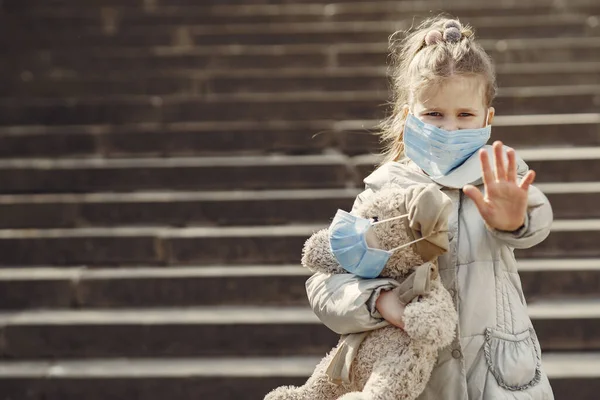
{"x": 490, "y": 116}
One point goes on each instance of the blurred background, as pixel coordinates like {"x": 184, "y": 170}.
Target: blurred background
{"x": 162, "y": 163}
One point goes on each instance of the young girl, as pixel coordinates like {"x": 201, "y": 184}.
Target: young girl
{"x": 444, "y": 84}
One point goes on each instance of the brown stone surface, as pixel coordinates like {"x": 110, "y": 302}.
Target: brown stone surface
{"x": 519, "y": 137}
{"x": 39, "y": 215}
{"x": 181, "y": 212}
{"x": 189, "y": 291}
{"x": 548, "y": 171}
{"x": 156, "y": 388}
{"x": 280, "y": 33}
{"x": 164, "y": 340}
{"x": 131, "y": 15}
{"x": 31, "y": 294}
{"x": 548, "y": 54}
{"x": 77, "y": 251}
{"x": 66, "y": 341}
{"x": 171, "y": 213}
{"x": 565, "y": 244}
{"x": 187, "y": 109}
{"x": 216, "y": 250}
{"x": 245, "y": 138}
{"x": 236, "y": 250}
{"x": 181, "y": 62}
{"x": 159, "y": 177}
{"x": 267, "y": 290}
{"x": 150, "y": 388}
{"x": 47, "y": 145}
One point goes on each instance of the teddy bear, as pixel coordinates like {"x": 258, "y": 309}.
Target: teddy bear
{"x": 389, "y": 362}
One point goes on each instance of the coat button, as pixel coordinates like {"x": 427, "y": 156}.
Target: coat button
{"x": 456, "y": 353}
{"x": 452, "y": 293}
{"x": 450, "y": 235}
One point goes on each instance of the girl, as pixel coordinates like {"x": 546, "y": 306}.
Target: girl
{"x": 444, "y": 84}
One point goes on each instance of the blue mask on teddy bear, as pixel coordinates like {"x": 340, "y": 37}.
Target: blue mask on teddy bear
{"x": 348, "y": 242}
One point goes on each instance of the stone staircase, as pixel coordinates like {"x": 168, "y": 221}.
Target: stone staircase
{"x": 163, "y": 162}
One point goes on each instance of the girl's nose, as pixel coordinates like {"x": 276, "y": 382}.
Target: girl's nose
{"x": 449, "y": 125}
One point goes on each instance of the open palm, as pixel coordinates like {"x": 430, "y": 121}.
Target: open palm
{"x": 505, "y": 202}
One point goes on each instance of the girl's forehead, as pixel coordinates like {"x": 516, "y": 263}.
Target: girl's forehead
{"x": 457, "y": 91}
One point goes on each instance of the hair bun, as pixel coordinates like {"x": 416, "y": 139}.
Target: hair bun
{"x": 452, "y": 23}
{"x": 433, "y": 37}
{"x": 452, "y": 35}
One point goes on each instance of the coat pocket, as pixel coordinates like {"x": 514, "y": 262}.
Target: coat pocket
{"x": 513, "y": 359}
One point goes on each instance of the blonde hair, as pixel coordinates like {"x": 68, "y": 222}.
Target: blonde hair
{"x": 435, "y": 50}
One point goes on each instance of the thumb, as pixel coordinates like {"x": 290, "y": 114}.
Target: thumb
{"x": 474, "y": 194}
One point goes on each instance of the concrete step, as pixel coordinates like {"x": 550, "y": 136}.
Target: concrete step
{"x": 561, "y": 325}
{"x": 43, "y": 288}
{"x": 283, "y": 33}
{"x": 576, "y": 164}
{"x": 184, "y": 82}
{"x": 158, "y": 13}
{"x": 260, "y": 107}
{"x": 227, "y": 208}
{"x": 153, "y": 246}
{"x": 280, "y": 285}
{"x": 374, "y": 78}
{"x": 274, "y": 57}
{"x": 571, "y": 375}
{"x": 553, "y": 165}
{"x": 149, "y": 5}
{"x": 502, "y": 51}
{"x": 176, "y": 139}
{"x": 249, "y": 137}
{"x": 520, "y": 132}
{"x": 207, "y": 173}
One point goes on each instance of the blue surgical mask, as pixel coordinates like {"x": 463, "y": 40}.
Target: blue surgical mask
{"x": 437, "y": 151}
{"x": 348, "y": 237}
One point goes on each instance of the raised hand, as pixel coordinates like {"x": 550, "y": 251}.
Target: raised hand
{"x": 505, "y": 202}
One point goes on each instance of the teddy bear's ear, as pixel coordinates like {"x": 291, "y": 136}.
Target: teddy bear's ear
{"x": 317, "y": 255}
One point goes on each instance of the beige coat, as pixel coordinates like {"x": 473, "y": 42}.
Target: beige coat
{"x": 496, "y": 354}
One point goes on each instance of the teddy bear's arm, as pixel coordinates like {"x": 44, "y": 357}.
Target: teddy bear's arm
{"x": 432, "y": 318}
{"x": 317, "y": 255}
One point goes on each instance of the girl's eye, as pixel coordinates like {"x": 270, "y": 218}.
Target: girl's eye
{"x": 465, "y": 114}
{"x": 434, "y": 114}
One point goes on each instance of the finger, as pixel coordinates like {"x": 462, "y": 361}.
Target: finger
{"x": 511, "y": 172}
{"x": 488, "y": 175}
{"x": 499, "y": 160}
{"x": 474, "y": 194}
{"x": 527, "y": 180}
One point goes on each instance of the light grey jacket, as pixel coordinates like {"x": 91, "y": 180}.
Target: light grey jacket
{"x": 496, "y": 354}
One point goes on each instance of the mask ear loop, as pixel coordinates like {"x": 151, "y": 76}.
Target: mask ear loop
{"x": 406, "y": 244}
{"x": 389, "y": 219}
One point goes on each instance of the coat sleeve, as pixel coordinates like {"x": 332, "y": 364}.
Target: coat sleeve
{"x": 536, "y": 228}
{"x": 345, "y": 303}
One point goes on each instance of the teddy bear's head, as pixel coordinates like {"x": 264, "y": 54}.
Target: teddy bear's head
{"x": 427, "y": 210}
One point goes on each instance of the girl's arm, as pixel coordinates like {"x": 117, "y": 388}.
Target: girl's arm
{"x": 345, "y": 303}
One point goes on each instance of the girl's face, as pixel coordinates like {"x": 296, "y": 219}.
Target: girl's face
{"x": 458, "y": 103}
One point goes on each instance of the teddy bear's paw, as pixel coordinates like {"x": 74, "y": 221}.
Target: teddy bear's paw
{"x": 355, "y": 396}
{"x": 282, "y": 393}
